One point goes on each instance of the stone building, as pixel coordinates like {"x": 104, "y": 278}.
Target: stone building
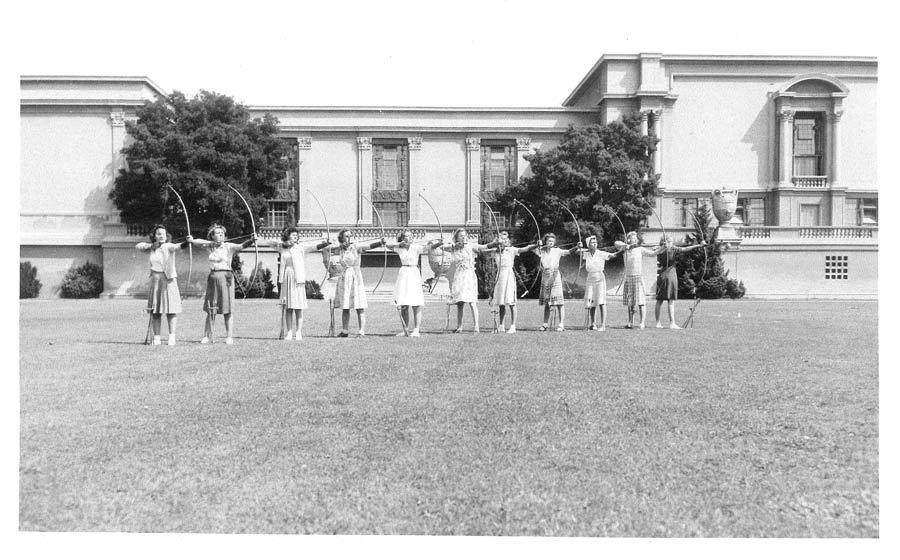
{"x": 794, "y": 136}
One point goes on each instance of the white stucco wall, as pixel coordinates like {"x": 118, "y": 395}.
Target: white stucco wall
{"x": 719, "y": 133}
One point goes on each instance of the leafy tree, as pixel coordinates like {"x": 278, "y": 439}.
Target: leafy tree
{"x": 598, "y": 171}
{"x": 199, "y": 146}
{"x": 702, "y": 273}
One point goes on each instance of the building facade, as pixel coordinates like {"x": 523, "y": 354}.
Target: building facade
{"x": 793, "y": 136}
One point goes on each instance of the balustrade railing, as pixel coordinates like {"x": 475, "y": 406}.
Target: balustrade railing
{"x": 810, "y": 181}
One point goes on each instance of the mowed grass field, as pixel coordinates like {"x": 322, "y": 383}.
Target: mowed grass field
{"x": 760, "y": 421}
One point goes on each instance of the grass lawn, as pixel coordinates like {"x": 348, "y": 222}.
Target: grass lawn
{"x": 760, "y": 421}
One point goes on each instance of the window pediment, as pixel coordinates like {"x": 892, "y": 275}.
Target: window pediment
{"x": 813, "y": 85}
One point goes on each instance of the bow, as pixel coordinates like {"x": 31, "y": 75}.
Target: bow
{"x": 327, "y": 227}
{"x": 499, "y": 249}
{"x": 383, "y": 235}
{"x": 624, "y": 237}
{"x": 538, "y": 229}
{"x": 255, "y": 246}
{"x": 441, "y": 228}
{"x": 702, "y": 231}
{"x": 188, "y": 222}
{"x": 578, "y": 229}
{"x": 655, "y": 215}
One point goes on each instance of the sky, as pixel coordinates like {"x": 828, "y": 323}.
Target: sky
{"x": 456, "y": 53}
{"x": 520, "y": 53}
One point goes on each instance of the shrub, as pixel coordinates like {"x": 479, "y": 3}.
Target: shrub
{"x": 85, "y": 281}
{"x": 29, "y": 285}
{"x": 255, "y": 285}
{"x": 735, "y": 289}
{"x": 313, "y": 290}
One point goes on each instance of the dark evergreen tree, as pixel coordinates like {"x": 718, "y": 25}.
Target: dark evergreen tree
{"x": 702, "y": 273}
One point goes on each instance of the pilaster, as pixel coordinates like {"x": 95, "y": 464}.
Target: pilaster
{"x": 416, "y": 164}
{"x": 523, "y": 148}
{"x": 304, "y": 174}
{"x": 473, "y": 180}
{"x": 364, "y": 180}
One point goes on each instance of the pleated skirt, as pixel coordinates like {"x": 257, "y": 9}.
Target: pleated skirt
{"x": 164, "y": 295}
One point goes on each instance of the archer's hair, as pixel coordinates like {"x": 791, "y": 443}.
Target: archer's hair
{"x": 155, "y": 227}
{"x": 212, "y": 229}
{"x": 546, "y": 237}
{"x": 458, "y": 231}
{"x": 343, "y": 235}
{"x": 663, "y": 238}
{"x": 286, "y": 232}
{"x": 400, "y": 235}
{"x": 631, "y": 235}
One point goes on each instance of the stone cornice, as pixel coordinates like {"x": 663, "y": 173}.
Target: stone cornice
{"x": 414, "y": 109}
{"x": 94, "y": 79}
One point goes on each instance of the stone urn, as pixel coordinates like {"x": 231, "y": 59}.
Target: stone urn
{"x": 724, "y": 205}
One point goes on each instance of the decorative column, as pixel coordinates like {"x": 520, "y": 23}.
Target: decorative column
{"x": 837, "y": 190}
{"x": 786, "y": 134}
{"x": 304, "y": 173}
{"x": 784, "y": 199}
{"x": 657, "y": 133}
{"x": 364, "y": 180}
{"x": 473, "y": 180}
{"x": 834, "y": 121}
{"x": 645, "y": 117}
{"x": 416, "y": 166}
{"x": 523, "y": 148}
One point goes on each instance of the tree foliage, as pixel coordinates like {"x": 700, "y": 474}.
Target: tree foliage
{"x": 599, "y": 172}
{"x": 199, "y": 146}
{"x": 702, "y": 273}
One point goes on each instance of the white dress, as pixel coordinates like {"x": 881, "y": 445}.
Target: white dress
{"x": 463, "y": 282}
{"x": 595, "y": 284}
{"x": 505, "y": 289}
{"x": 350, "y": 292}
{"x": 408, "y": 288}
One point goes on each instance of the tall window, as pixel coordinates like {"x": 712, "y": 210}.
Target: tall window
{"x": 808, "y": 145}
{"x": 498, "y": 171}
{"x": 751, "y": 211}
{"x": 279, "y": 214}
{"x": 390, "y": 193}
{"x": 867, "y": 211}
{"x": 282, "y": 207}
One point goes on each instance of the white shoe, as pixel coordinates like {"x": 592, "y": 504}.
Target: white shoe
{"x": 560, "y": 328}
{"x": 362, "y": 334}
{"x": 204, "y": 340}
{"x": 601, "y": 329}
{"x": 501, "y": 328}
{"x": 289, "y": 335}
{"x": 415, "y": 333}
{"x": 659, "y": 325}
{"x": 401, "y": 334}
{"x": 674, "y": 326}
{"x": 229, "y": 340}
{"x": 171, "y": 340}
{"x": 512, "y": 330}
{"x": 156, "y": 341}
{"x": 298, "y": 336}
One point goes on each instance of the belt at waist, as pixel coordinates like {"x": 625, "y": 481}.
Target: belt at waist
{"x": 410, "y": 265}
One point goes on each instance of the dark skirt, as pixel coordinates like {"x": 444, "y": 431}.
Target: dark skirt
{"x": 667, "y": 285}
{"x": 219, "y": 292}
